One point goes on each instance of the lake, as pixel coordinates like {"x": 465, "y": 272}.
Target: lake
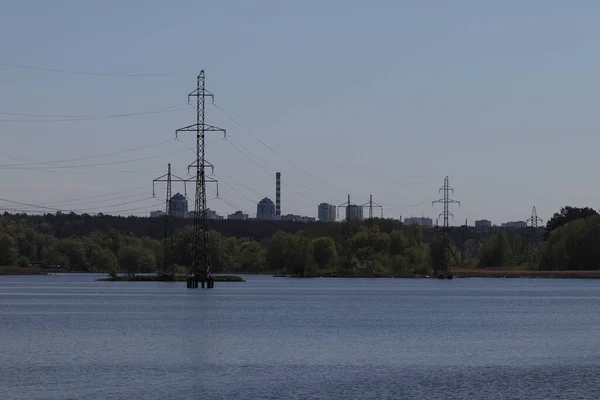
{"x": 71, "y": 337}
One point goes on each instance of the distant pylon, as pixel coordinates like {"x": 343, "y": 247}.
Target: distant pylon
{"x": 445, "y": 214}
{"x": 166, "y": 269}
{"x": 371, "y": 205}
{"x": 347, "y": 236}
{"x": 462, "y": 249}
{"x": 534, "y": 220}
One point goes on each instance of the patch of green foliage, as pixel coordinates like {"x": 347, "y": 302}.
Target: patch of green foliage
{"x": 384, "y": 248}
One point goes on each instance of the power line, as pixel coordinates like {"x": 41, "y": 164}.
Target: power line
{"x": 325, "y": 159}
{"x": 75, "y": 72}
{"x": 71, "y": 204}
{"x": 83, "y": 210}
{"x": 272, "y": 174}
{"x": 250, "y": 158}
{"x": 99, "y": 117}
{"x": 9, "y": 166}
{"x": 104, "y": 195}
{"x": 275, "y": 152}
{"x": 82, "y": 158}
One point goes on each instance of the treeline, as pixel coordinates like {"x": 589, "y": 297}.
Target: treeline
{"x": 355, "y": 249}
{"x": 376, "y": 248}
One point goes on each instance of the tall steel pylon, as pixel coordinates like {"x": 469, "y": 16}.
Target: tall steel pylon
{"x": 371, "y": 205}
{"x": 534, "y": 220}
{"x": 166, "y": 269}
{"x": 445, "y": 214}
{"x": 347, "y": 237}
{"x": 199, "y": 268}
{"x": 464, "y": 229}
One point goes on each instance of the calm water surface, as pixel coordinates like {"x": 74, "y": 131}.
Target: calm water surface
{"x": 70, "y": 337}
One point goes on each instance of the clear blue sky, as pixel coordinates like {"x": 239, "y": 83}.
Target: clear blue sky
{"x": 382, "y": 97}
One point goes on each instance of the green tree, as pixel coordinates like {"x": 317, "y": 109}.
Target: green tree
{"x": 251, "y": 257}
{"x": 74, "y": 250}
{"x": 496, "y": 251}
{"x": 23, "y": 262}
{"x": 397, "y": 243}
{"x": 278, "y": 251}
{"x": 289, "y": 252}
{"x": 567, "y": 214}
{"x": 323, "y": 251}
{"x": 105, "y": 261}
{"x": 573, "y": 246}
{"x": 130, "y": 259}
{"x": 8, "y": 251}
{"x": 147, "y": 261}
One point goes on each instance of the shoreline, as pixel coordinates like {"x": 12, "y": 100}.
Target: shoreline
{"x": 179, "y": 278}
{"x": 457, "y": 273}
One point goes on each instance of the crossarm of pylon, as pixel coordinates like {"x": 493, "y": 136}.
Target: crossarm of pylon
{"x": 203, "y": 93}
{"x": 174, "y": 178}
{"x": 207, "y": 128}
{"x": 194, "y": 164}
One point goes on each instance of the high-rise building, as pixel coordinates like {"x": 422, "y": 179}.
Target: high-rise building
{"x": 179, "y": 206}
{"x": 354, "y": 212}
{"x": 326, "y": 212}
{"x": 265, "y": 209}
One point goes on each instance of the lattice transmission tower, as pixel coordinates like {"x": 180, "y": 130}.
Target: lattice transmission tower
{"x": 166, "y": 270}
{"x": 348, "y": 258}
{"x": 534, "y": 222}
{"x": 445, "y": 243}
{"x": 370, "y": 205}
{"x": 199, "y": 269}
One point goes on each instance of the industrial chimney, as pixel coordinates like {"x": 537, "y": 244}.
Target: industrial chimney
{"x": 278, "y": 193}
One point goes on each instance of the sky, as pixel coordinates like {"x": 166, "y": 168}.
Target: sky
{"x": 342, "y": 97}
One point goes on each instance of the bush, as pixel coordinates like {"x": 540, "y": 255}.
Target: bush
{"x": 23, "y": 262}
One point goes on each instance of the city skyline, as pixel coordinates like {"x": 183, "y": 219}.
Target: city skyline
{"x": 474, "y": 118}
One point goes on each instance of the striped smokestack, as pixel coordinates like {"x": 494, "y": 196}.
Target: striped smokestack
{"x": 278, "y": 193}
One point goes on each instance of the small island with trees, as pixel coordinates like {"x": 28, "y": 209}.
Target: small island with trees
{"x": 130, "y": 248}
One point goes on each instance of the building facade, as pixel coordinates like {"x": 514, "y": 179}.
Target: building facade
{"x": 421, "y": 221}
{"x": 483, "y": 223}
{"x": 515, "y": 224}
{"x": 265, "y": 209}
{"x": 210, "y": 214}
{"x": 157, "y": 214}
{"x": 354, "y": 212}
{"x": 326, "y": 212}
{"x": 238, "y": 215}
{"x": 297, "y": 218}
{"x": 179, "y": 206}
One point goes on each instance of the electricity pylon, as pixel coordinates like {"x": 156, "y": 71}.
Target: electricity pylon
{"x": 534, "y": 220}
{"x": 371, "y": 205}
{"x": 445, "y": 244}
{"x": 347, "y": 260}
{"x": 166, "y": 270}
{"x": 199, "y": 269}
